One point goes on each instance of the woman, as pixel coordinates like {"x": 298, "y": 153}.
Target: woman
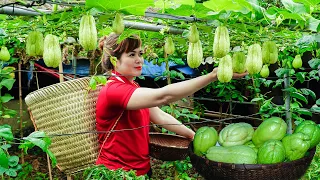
{"x": 123, "y": 105}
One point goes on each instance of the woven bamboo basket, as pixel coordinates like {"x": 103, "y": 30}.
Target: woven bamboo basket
{"x": 168, "y": 147}
{"x": 67, "y": 108}
{"x": 292, "y": 170}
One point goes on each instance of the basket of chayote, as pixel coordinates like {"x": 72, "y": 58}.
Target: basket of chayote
{"x": 240, "y": 151}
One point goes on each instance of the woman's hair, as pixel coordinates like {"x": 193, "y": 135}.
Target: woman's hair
{"x": 110, "y": 47}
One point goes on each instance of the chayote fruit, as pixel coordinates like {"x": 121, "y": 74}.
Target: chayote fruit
{"x": 88, "y": 33}
{"x": 240, "y": 154}
{"x": 254, "y": 59}
{"x": 204, "y": 138}
{"x": 221, "y": 43}
{"x": 297, "y": 62}
{"x": 118, "y": 24}
{"x": 51, "y": 51}
{"x": 236, "y": 134}
{"x": 193, "y": 34}
{"x": 310, "y": 129}
{"x": 272, "y": 151}
{"x": 272, "y": 128}
{"x": 264, "y": 71}
{"x": 195, "y": 54}
{"x": 169, "y": 46}
{"x": 296, "y": 145}
{"x": 269, "y": 52}
{"x": 4, "y": 54}
{"x": 239, "y": 62}
{"x": 225, "y": 72}
{"x": 34, "y": 44}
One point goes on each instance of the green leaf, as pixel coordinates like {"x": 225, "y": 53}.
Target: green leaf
{"x": 39, "y": 139}
{"x": 4, "y": 162}
{"x": 313, "y": 24}
{"x": 132, "y": 7}
{"x": 11, "y": 172}
{"x": 227, "y": 5}
{"x": 93, "y": 83}
{"x": 185, "y": 2}
{"x": 6, "y": 133}
{"x": 294, "y": 7}
{"x": 11, "y": 113}
{"x": 281, "y": 72}
{"x": 290, "y": 89}
{"x": 308, "y": 2}
{"x": 314, "y": 63}
{"x": 318, "y": 102}
{"x": 200, "y": 11}
{"x": 52, "y": 157}
{"x": 315, "y": 109}
{"x": 256, "y": 99}
{"x": 301, "y": 76}
{"x": 308, "y": 92}
{"x": 299, "y": 96}
{"x": 294, "y": 105}
{"x": 193, "y": 116}
{"x": 5, "y": 146}
{"x": 304, "y": 112}
{"x": 13, "y": 161}
{"x": 2, "y": 170}
{"x": 289, "y": 15}
{"x": 101, "y": 79}
{"x": 267, "y": 83}
{"x": 157, "y": 78}
{"x": 6, "y": 98}
{"x": 8, "y": 83}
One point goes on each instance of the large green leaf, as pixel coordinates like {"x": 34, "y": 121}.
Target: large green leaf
{"x": 6, "y": 133}
{"x": 227, "y": 5}
{"x": 4, "y": 161}
{"x": 314, "y": 24}
{"x": 294, "y": 7}
{"x": 137, "y": 7}
{"x": 289, "y": 15}
{"x": 308, "y": 2}
{"x": 198, "y": 10}
{"x": 185, "y": 2}
{"x": 39, "y": 139}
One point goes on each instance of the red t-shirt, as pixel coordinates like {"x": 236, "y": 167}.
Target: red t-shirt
{"x": 127, "y": 149}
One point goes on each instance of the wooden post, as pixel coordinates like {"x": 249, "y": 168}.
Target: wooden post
{"x": 35, "y": 128}
{"x": 61, "y": 72}
{"x": 21, "y": 111}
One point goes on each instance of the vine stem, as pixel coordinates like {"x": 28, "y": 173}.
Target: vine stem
{"x": 256, "y": 94}
{"x": 287, "y": 103}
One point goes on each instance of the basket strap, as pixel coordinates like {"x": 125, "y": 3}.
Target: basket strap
{"x": 114, "y": 125}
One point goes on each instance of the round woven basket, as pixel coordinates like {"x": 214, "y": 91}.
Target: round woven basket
{"x": 168, "y": 147}
{"x": 292, "y": 170}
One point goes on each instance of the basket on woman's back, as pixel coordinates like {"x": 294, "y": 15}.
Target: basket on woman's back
{"x": 67, "y": 108}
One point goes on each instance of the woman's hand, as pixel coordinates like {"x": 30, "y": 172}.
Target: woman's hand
{"x": 235, "y": 75}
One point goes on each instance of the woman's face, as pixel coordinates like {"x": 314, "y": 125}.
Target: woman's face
{"x": 130, "y": 64}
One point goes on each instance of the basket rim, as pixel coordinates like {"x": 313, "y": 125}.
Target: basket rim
{"x": 168, "y": 135}
{"x": 252, "y": 166}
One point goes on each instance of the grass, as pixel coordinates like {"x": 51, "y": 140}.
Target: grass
{"x": 313, "y": 172}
